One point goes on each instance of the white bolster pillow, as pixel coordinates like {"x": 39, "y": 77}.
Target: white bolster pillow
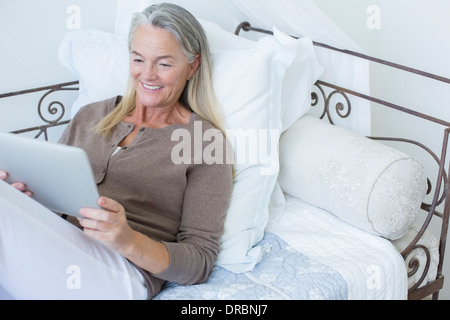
{"x": 365, "y": 183}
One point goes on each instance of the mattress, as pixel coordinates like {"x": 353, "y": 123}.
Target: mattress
{"x": 283, "y": 274}
{"x": 308, "y": 254}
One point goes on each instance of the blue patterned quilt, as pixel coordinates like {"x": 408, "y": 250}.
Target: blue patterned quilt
{"x": 283, "y": 273}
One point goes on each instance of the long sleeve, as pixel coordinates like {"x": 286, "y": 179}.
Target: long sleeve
{"x": 182, "y": 204}
{"x": 205, "y": 204}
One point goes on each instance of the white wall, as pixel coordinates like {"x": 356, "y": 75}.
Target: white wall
{"x": 415, "y": 33}
{"x": 30, "y": 33}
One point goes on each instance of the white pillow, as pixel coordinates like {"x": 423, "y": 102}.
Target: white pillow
{"x": 100, "y": 62}
{"x": 298, "y": 82}
{"x": 248, "y": 87}
{"x": 300, "y": 78}
{"x": 248, "y": 78}
{"x": 367, "y": 184}
{"x": 88, "y": 54}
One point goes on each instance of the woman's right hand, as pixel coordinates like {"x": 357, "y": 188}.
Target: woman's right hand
{"x": 18, "y": 185}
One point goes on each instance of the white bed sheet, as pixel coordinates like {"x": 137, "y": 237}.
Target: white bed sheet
{"x": 283, "y": 274}
{"x": 309, "y": 254}
{"x": 372, "y": 267}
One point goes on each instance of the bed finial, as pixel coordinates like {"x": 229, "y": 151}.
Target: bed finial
{"x": 242, "y": 26}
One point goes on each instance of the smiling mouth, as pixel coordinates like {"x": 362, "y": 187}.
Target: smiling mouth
{"x": 150, "y": 88}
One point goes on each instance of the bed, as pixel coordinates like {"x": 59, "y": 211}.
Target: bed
{"x": 323, "y": 212}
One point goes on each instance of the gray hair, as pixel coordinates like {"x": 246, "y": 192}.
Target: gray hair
{"x": 198, "y": 95}
{"x": 179, "y": 22}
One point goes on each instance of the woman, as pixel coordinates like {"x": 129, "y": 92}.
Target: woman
{"x": 159, "y": 221}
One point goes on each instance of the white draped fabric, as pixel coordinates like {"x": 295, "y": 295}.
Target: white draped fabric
{"x": 295, "y": 17}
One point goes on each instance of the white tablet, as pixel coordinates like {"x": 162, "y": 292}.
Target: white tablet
{"x": 59, "y": 176}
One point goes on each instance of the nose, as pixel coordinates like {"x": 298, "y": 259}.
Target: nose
{"x": 150, "y": 72}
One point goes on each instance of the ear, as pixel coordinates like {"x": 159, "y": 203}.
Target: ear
{"x": 194, "y": 66}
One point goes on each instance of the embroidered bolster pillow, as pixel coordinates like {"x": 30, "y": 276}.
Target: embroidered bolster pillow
{"x": 365, "y": 183}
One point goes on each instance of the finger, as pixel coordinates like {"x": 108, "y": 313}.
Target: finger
{"x": 102, "y": 236}
{"x": 94, "y": 225}
{"x": 96, "y": 219}
{"x": 3, "y": 175}
{"x": 109, "y": 204}
{"x": 19, "y": 186}
{"x": 22, "y": 187}
{"x": 96, "y": 214}
{"x": 92, "y": 233}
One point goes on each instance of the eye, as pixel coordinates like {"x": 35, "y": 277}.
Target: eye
{"x": 138, "y": 60}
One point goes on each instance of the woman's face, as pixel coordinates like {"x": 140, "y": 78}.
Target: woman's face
{"x": 159, "y": 67}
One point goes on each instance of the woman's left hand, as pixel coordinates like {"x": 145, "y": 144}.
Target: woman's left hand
{"x": 108, "y": 224}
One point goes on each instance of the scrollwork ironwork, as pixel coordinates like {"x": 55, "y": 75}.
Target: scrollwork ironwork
{"x": 340, "y": 107}
{"x": 414, "y": 264}
{"x": 53, "y": 108}
{"x": 343, "y": 110}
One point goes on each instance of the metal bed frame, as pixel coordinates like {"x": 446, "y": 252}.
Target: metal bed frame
{"x": 439, "y": 192}
{"x": 441, "y": 189}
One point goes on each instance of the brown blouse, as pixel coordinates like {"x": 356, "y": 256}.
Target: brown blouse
{"x": 182, "y": 205}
